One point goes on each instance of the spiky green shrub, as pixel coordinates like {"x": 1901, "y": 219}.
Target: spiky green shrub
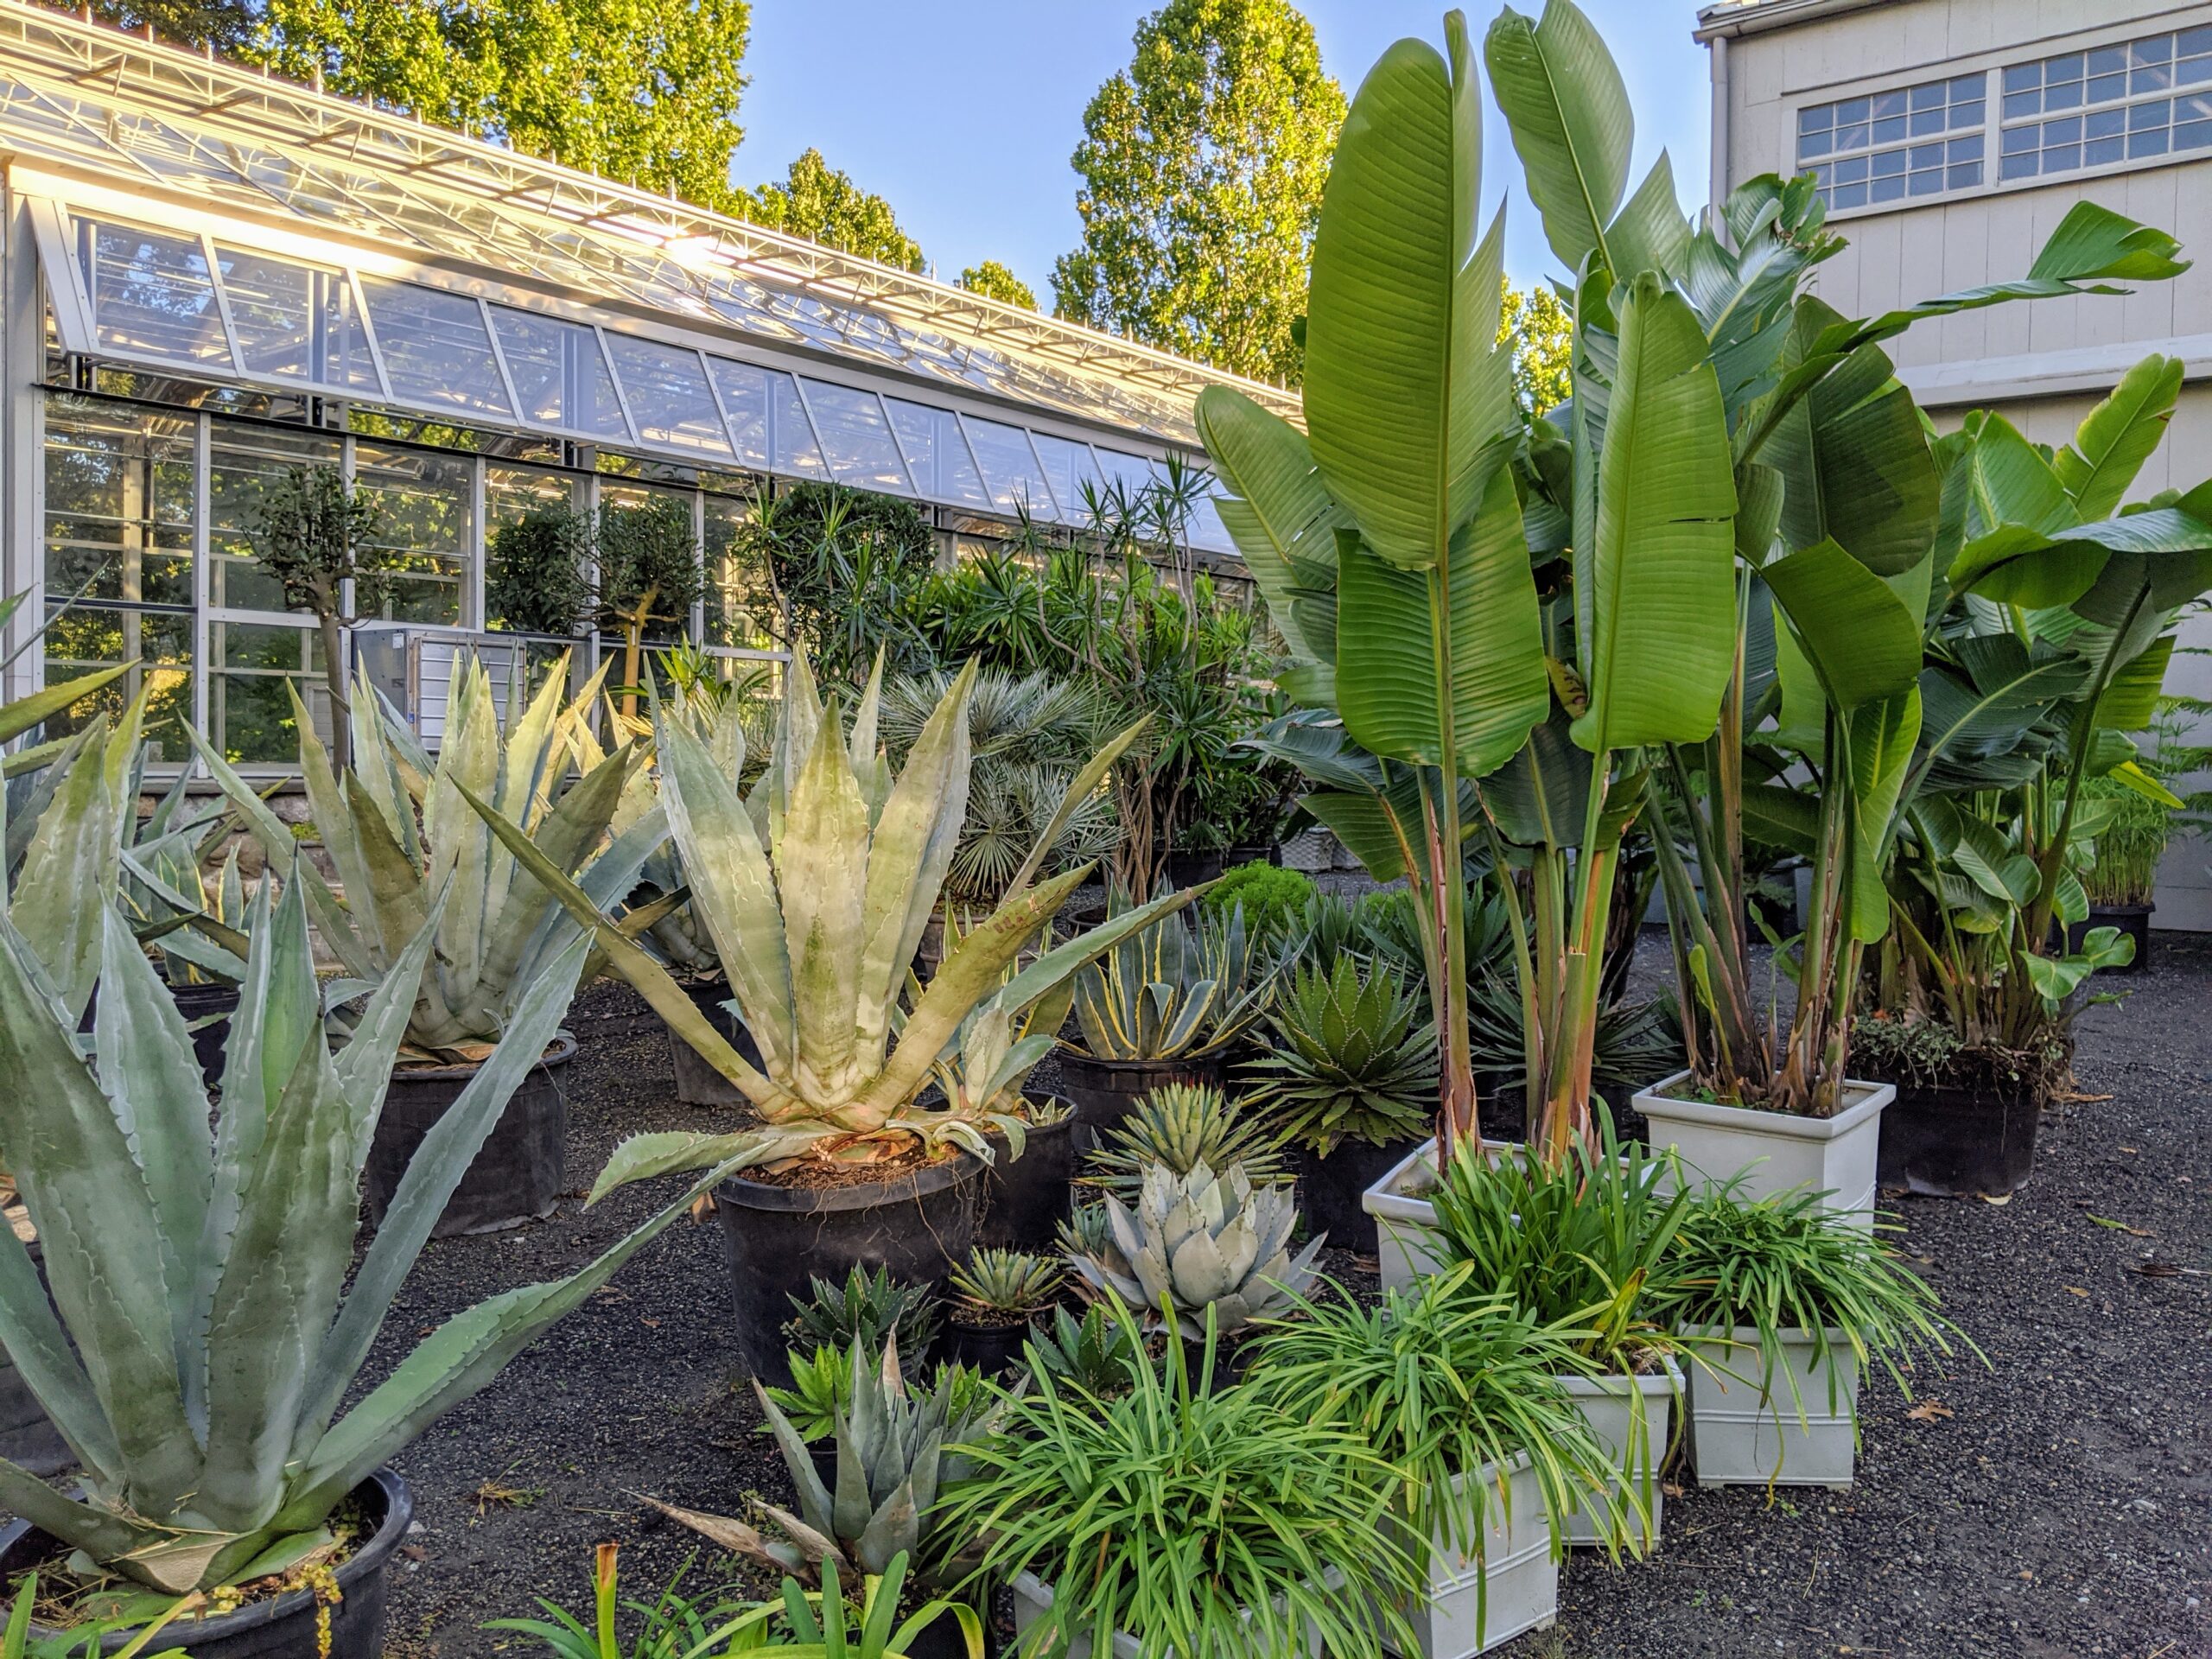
{"x": 868, "y": 1307}
{"x": 821, "y": 1389}
{"x": 1092, "y": 1354}
{"x": 1007, "y": 1281}
{"x": 1180, "y": 1126}
{"x": 1352, "y": 1058}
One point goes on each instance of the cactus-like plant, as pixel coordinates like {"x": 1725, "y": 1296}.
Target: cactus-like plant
{"x": 1184, "y": 987}
{"x": 868, "y": 1308}
{"x": 822, "y": 1390}
{"x": 1182, "y": 1125}
{"x": 1202, "y": 1244}
{"x": 1082, "y": 1232}
{"x": 1007, "y": 1281}
{"x": 203, "y": 1333}
{"x": 1092, "y": 1353}
{"x": 1352, "y": 1058}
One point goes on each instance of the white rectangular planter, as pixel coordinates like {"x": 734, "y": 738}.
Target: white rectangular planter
{"x": 1611, "y": 1406}
{"x": 1032, "y": 1599}
{"x": 1747, "y": 1430}
{"x": 1405, "y": 1220}
{"x": 1509, "y": 1587}
{"x": 1776, "y": 1152}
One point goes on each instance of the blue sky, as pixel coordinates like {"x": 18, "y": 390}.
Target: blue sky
{"x": 964, "y": 112}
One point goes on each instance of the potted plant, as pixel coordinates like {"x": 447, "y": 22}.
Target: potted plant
{"x": 1460, "y": 1392}
{"x": 866, "y": 1307}
{"x": 397, "y": 827}
{"x": 816, "y": 924}
{"x": 1582, "y": 1241}
{"x": 1091, "y": 1354}
{"x": 995, "y": 1296}
{"x": 2147, "y": 814}
{"x": 1177, "y": 1127}
{"x": 207, "y": 1421}
{"x": 1162, "y": 1006}
{"x": 1782, "y": 1305}
{"x": 1275, "y": 900}
{"x": 1176, "y": 1517}
{"x": 1350, "y": 1084}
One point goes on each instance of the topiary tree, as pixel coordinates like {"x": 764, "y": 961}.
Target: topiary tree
{"x": 538, "y": 579}
{"x": 649, "y": 572}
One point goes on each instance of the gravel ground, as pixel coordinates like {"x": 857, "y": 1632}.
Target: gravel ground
{"x": 2058, "y": 1503}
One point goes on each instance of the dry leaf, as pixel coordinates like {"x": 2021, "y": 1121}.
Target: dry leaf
{"x": 2075, "y": 1290}
{"x": 1927, "y": 1411}
{"x": 2001, "y": 1198}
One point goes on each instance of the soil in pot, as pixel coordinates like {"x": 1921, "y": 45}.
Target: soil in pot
{"x": 282, "y": 1627}
{"x": 698, "y": 1083}
{"x": 1329, "y": 1189}
{"x": 1106, "y": 1091}
{"x": 1027, "y": 1198}
{"x": 520, "y": 1171}
{"x": 916, "y": 1219}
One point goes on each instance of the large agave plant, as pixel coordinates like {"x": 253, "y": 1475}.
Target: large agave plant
{"x": 399, "y": 827}
{"x": 1185, "y": 987}
{"x": 1202, "y": 1242}
{"x": 202, "y": 1334}
{"x": 814, "y": 889}
{"x": 1351, "y": 1059}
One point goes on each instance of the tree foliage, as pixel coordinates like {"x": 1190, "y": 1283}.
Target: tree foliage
{"x": 994, "y": 281}
{"x": 224, "y": 24}
{"x": 1202, "y": 167}
{"x": 538, "y": 579}
{"x": 645, "y": 90}
{"x": 817, "y": 201}
{"x": 1542, "y": 335}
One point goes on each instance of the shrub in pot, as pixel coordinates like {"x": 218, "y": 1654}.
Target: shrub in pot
{"x": 199, "y": 1386}
{"x": 1459, "y": 1391}
{"x": 814, "y": 889}
{"x": 1781, "y": 1306}
{"x": 1178, "y": 1517}
{"x": 994, "y": 1296}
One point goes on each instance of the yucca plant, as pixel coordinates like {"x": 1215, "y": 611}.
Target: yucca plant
{"x": 816, "y": 889}
{"x": 398, "y": 827}
{"x": 207, "y": 1316}
{"x": 1180, "y": 1126}
{"x": 1014, "y": 1283}
{"x": 1352, "y": 1059}
{"x": 1212, "y": 1250}
{"x": 821, "y": 1388}
{"x": 867, "y": 1306}
{"x": 1182, "y": 988}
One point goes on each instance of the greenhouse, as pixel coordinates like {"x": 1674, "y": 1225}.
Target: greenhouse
{"x": 217, "y": 277}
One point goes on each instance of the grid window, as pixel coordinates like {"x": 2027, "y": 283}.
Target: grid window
{"x": 1888, "y": 146}
{"x": 2134, "y": 102}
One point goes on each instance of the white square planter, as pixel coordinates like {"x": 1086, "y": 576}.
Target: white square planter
{"x": 1032, "y": 1599}
{"x": 1777, "y": 1152}
{"x": 1748, "y": 1430}
{"x": 1405, "y": 1220}
{"x": 1509, "y": 1587}
{"x": 1611, "y": 1405}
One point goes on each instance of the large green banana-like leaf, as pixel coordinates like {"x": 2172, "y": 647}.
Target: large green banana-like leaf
{"x": 1393, "y": 673}
{"x": 2131, "y": 698}
{"x": 1662, "y": 575}
{"x": 1282, "y": 518}
{"x": 1990, "y": 707}
{"x": 1562, "y": 95}
{"x": 1650, "y": 232}
{"x": 2036, "y": 570}
{"x": 1405, "y": 382}
{"x": 1859, "y": 637}
{"x": 2116, "y": 437}
{"x": 1882, "y": 735}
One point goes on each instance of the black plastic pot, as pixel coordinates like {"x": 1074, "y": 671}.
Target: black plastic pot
{"x": 200, "y": 1002}
{"x": 1943, "y": 1140}
{"x": 1189, "y": 869}
{"x": 942, "y": 1638}
{"x": 1270, "y": 852}
{"x": 27, "y": 1436}
{"x": 1329, "y": 1189}
{"x": 779, "y": 1239}
{"x": 520, "y": 1171}
{"x": 284, "y": 1627}
{"x": 1106, "y": 1091}
{"x": 990, "y": 1348}
{"x": 698, "y": 1083}
{"x": 1026, "y": 1198}
{"x": 2133, "y": 920}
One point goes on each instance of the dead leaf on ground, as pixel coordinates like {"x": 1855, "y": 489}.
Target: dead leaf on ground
{"x": 2081, "y": 1100}
{"x": 2075, "y": 1290}
{"x": 1929, "y": 1411}
{"x": 2168, "y": 1270}
{"x": 1997, "y": 1199}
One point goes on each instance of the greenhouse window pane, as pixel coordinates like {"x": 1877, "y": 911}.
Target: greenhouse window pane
{"x": 1126, "y": 475}
{"x": 561, "y": 375}
{"x": 244, "y": 461}
{"x": 669, "y": 397}
{"x": 435, "y": 347}
{"x": 151, "y": 294}
{"x": 249, "y": 711}
{"x": 790, "y": 436}
{"x": 423, "y": 503}
{"x": 1069, "y": 468}
{"x": 856, "y": 438}
{"x": 1010, "y": 469}
{"x": 82, "y": 638}
{"x": 937, "y": 454}
{"x": 295, "y": 320}
{"x": 119, "y": 504}
{"x": 744, "y": 391}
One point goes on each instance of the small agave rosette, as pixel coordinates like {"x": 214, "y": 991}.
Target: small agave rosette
{"x": 1201, "y": 1241}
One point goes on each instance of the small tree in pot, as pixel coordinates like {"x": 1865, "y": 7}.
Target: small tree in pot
{"x": 645, "y": 561}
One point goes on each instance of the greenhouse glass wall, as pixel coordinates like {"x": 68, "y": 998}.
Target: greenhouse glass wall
{"x": 213, "y": 278}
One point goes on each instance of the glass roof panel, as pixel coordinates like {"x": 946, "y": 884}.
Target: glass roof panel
{"x": 791, "y": 445}
{"x": 856, "y": 438}
{"x": 560, "y": 373}
{"x": 296, "y": 322}
{"x": 669, "y": 397}
{"x": 744, "y": 391}
{"x": 1069, "y": 468}
{"x": 937, "y": 453}
{"x": 435, "y": 347}
{"x": 151, "y": 294}
{"x": 1010, "y": 469}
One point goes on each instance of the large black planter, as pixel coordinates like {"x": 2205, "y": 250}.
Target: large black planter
{"x": 1953, "y": 1141}
{"x": 27, "y": 1436}
{"x": 1257, "y": 853}
{"x": 780, "y": 1239}
{"x": 1026, "y": 1198}
{"x": 1329, "y": 1189}
{"x": 283, "y": 1627}
{"x": 698, "y": 1083}
{"x": 1106, "y": 1091}
{"x": 520, "y": 1171}
{"x": 2133, "y": 920}
{"x": 1189, "y": 869}
{"x": 215, "y": 1004}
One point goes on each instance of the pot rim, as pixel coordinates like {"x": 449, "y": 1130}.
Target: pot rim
{"x": 1715, "y": 1115}
{"x": 195, "y": 1630}
{"x": 1067, "y": 1051}
{"x": 958, "y": 1170}
{"x": 559, "y": 1052}
{"x": 1665, "y": 1382}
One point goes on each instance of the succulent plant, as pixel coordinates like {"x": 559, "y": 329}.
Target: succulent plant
{"x": 1352, "y": 1060}
{"x": 1092, "y": 1352}
{"x": 821, "y": 1388}
{"x": 1202, "y": 1244}
{"x": 1007, "y": 1281}
{"x": 1180, "y": 988}
{"x": 868, "y": 1307}
{"x": 1084, "y": 1231}
{"x": 1183, "y": 1125}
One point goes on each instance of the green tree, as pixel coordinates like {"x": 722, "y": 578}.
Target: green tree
{"x": 1542, "y": 335}
{"x": 994, "y": 281}
{"x": 645, "y": 90}
{"x": 1202, "y": 167}
{"x": 821, "y": 201}
{"x": 224, "y": 24}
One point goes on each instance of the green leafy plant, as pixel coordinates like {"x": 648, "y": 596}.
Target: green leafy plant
{"x": 27, "y": 713}
{"x": 1181, "y": 989}
{"x": 2129, "y": 845}
{"x": 1085, "y": 1231}
{"x": 848, "y": 570}
{"x": 670, "y": 1626}
{"x": 201, "y": 1406}
{"x": 844, "y": 1631}
{"x": 1352, "y": 1059}
{"x": 1212, "y": 1251}
{"x": 646, "y": 557}
{"x": 1180, "y": 1126}
{"x": 87, "y": 1639}
{"x": 1091, "y": 1354}
{"x": 1012, "y": 1282}
{"x": 1197, "y": 1520}
{"x": 820, "y": 1390}
{"x": 868, "y": 1307}
{"x": 1273, "y": 899}
{"x": 536, "y": 571}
